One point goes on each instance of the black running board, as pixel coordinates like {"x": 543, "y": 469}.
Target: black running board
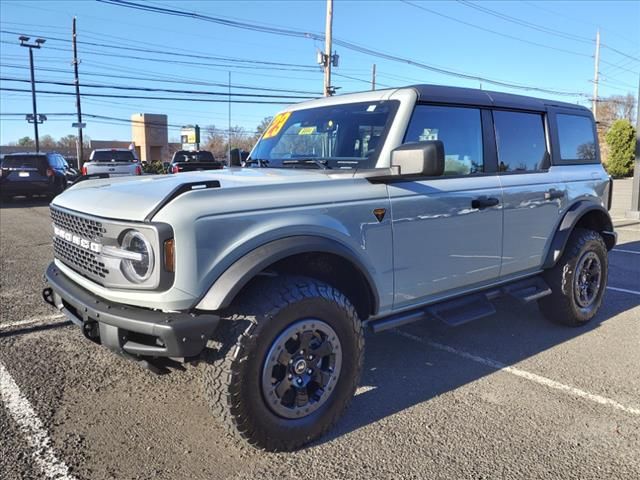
{"x": 466, "y": 309}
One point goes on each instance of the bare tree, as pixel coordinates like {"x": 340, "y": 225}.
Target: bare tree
{"x": 616, "y": 107}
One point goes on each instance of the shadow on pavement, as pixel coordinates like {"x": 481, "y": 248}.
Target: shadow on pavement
{"x": 35, "y": 328}
{"x": 25, "y": 202}
{"x": 403, "y": 373}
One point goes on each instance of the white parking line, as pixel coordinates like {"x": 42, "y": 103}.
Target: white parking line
{"x": 523, "y": 374}
{"x": 628, "y": 229}
{"x": 623, "y": 290}
{"x": 626, "y": 251}
{"x": 32, "y": 428}
{"x": 29, "y": 321}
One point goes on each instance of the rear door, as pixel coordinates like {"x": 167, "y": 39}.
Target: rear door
{"x": 113, "y": 162}
{"x": 533, "y": 193}
{"x": 447, "y": 231}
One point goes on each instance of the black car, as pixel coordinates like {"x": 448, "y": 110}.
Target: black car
{"x": 186, "y": 161}
{"x": 34, "y": 174}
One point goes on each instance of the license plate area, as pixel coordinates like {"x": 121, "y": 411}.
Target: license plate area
{"x": 23, "y": 174}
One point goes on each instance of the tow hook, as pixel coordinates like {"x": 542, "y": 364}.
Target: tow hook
{"x": 47, "y": 295}
{"x": 91, "y": 330}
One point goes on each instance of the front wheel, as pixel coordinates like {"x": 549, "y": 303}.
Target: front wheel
{"x": 287, "y": 362}
{"x": 578, "y": 280}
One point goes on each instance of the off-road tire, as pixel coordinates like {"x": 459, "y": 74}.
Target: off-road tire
{"x": 561, "y": 306}
{"x": 232, "y": 376}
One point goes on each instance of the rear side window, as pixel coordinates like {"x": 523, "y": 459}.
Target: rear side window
{"x": 459, "y": 129}
{"x": 113, "y": 156}
{"x": 575, "y": 134}
{"x": 521, "y": 142}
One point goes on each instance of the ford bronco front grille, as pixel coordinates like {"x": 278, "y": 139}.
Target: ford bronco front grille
{"x": 84, "y": 227}
{"x": 82, "y": 260}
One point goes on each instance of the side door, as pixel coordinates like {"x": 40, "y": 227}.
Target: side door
{"x": 533, "y": 193}
{"x": 447, "y": 231}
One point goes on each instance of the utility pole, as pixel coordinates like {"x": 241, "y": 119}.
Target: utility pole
{"x": 373, "y": 77}
{"x": 34, "y": 118}
{"x": 635, "y": 189}
{"x": 595, "y": 77}
{"x": 80, "y": 145}
{"x": 328, "y": 60}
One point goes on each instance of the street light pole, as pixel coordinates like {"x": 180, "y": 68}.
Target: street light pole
{"x": 35, "y": 118}
{"x": 33, "y": 99}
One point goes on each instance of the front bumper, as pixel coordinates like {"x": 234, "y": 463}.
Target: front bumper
{"x": 130, "y": 331}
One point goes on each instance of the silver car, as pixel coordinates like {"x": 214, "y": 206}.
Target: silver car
{"x": 374, "y": 210}
{"x": 115, "y": 162}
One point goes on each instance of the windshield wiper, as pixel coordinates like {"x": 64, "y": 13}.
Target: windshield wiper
{"x": 324, "y": 164}
{"x": 260, "y": 161}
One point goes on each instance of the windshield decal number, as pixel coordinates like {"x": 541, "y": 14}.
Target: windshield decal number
{"x": 276, "y": 125}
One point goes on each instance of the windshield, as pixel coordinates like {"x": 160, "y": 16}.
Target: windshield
{"x": 201, "y": 157}
{"x": 338, "y": 136}
{"x": 113, "y": 156}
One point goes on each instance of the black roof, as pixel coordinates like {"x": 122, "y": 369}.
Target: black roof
{"x": 474, "y": 96}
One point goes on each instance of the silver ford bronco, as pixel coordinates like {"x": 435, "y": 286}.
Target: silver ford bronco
{"x": 371, "y": 210}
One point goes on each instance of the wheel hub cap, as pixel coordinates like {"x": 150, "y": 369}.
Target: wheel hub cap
{"x": 588, "y": 278}
{"x": 301, "y": 369}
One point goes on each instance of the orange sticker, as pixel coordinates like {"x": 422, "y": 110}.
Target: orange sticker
{"x": 276, "y": 125}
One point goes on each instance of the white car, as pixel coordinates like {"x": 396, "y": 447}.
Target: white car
{"x": 116, "y": 162}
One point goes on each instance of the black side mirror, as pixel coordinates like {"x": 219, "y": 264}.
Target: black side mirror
{"x": 234, "y": 160}
{"x": 424, "y": 159}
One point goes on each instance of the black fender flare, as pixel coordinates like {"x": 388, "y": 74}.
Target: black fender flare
{"x": 230, "y": 283}
{"x": 574, "y": 214}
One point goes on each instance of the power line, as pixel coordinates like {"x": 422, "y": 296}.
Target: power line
{"x": 151, "y": 89}
{"x": 343, "y": 43}
{"x": 140, "y": 97}
{"x": 170, "y": 53}
{"x": 512, "y": 37}
{"x": 180, "y": 62}
{"x": 165, "y": 80}
{"x": 574, "y": 19}
{"x": 540, "y": 28}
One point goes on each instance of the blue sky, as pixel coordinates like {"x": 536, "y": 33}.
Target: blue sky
{"x": 564, "y": 63}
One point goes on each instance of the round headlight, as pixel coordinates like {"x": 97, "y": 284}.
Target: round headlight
{"x": 140, "y": 269}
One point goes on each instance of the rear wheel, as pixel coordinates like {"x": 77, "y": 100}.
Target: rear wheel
{"x": 287, "y": 363}
{"x": 578, "y": 280}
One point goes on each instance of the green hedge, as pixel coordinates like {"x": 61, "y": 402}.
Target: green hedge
{"x": 621, "y": 139}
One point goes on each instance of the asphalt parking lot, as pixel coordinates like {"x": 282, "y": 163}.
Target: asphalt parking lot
{"x": 511, "y": 396}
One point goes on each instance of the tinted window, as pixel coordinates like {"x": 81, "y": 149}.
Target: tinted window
{"x": 459, "y": 129}
{"x": 113, "y": 156}
{"x": 184, "y": 156}
{"x": 23, "y": 161}
{"x": 520, "y": 140}
{"x": 576, "y": 138}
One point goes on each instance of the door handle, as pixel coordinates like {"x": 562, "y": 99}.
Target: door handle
{"x": 553, "y": 194}
{"x": 484, "y": 202}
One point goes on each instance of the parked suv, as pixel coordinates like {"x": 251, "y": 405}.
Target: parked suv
{"x": 115, "y": 162}
{"x": 34, "y": 174}
{"x": 191, "y": 161}
{"x": 375, "y": 209}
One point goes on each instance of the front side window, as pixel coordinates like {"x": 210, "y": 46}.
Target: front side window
{"x": 577, "y": 142}
{"x": 338, "y": 136}
{"x": 459, "y": 129}
{"x": 521, "y": 142}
